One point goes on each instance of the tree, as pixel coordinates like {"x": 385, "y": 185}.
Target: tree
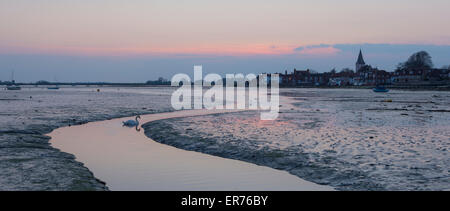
{"x": 399, "y": 66}
{"x": 418, "y": 60}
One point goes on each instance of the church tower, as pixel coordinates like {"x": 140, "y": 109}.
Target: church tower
{"x": 360, "y": 63}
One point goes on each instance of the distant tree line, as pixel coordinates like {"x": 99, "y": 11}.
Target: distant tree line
{"x": 160, "y": 81}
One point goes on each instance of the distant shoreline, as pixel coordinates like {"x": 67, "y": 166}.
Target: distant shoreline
{"x": 440, "y": 87}
{"x": 409, "y": 88}
{"x": 90, "y": 84}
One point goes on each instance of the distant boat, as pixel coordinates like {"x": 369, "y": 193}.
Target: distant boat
{"x": 13, "y": 86}
{"x": 56, "y": 87}
{"x": 53, "y": 87}
{"x": 380, "y": 89}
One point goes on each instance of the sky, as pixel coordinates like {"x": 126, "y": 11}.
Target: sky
{"x": 139, "y": 40}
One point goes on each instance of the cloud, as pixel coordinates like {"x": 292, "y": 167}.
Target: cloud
{"x": 394, "y": 48}
{"x": 381, "y": 48}
{"x": 321, "y": 49}
{"x": 312, "y": 46}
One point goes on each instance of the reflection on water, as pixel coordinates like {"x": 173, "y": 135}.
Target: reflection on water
{"x": 127, "y": 160}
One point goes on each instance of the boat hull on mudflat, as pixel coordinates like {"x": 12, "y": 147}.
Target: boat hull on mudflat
{"x": 380, "y": 90}
{"x": 12, "y": 88}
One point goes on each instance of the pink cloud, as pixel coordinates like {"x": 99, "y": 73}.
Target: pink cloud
{"x": 317, "y": 51}
{"x": 230, "y": 50}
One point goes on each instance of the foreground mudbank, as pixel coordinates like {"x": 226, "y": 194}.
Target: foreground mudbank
{"x": 28, "y": 162}
{"x": 131, "y": 161}
{"x": 177, "y": 133}
{"x": 348, "y": 139}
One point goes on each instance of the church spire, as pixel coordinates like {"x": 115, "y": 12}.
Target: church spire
{"x": 360, "y": 62}
{"x": 360, "y": 58}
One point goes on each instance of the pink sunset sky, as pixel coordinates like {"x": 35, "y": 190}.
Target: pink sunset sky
{"x": 208, "y": 26}
{"x": 164, "y": 28}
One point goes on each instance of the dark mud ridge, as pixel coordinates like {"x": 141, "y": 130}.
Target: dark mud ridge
{"x": 292, "y": 160}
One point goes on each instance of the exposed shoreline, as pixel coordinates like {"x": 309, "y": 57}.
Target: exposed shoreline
{"x": 147, "y": 154}
{"x": 28, "y": 162}
{"x": 442, "y": 87}
{"x": 263, "y": 157}
{"x": 405, "y": 88}
{"x": 351, "y": 140}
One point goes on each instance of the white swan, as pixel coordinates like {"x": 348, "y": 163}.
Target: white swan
{"x": 132, "y": 123}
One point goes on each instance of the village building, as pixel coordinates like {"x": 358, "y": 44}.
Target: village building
{"x": 369, "y": 76}
{"x": 409, "y": 76}
{"x": 342, "y": 79}
{"x": 303, "y": 78}
{"x": 364, "y": 75}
